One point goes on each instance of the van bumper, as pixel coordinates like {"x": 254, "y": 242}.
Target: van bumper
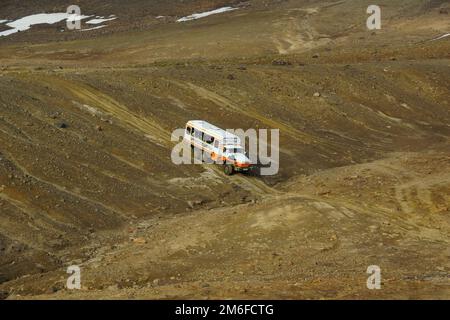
{"x": 243, "y": 168}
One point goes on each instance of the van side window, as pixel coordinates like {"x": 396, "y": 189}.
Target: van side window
{"x": 208, "y": 139}
{"x": 199, "y": 134}
{"x": 216, "y": 143}
{"x": 192, "y": 132}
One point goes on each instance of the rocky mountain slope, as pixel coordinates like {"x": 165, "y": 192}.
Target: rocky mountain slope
{"x": 364, "y": 118}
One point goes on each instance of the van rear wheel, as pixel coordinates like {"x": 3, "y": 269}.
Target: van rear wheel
{"x": 228, "y": 169}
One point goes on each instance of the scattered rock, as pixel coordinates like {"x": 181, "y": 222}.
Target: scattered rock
{"x": 231, "y": 77}
{"x": 113, "y": 287}
{"x": 61, "y": 125}
{"x": 280, "y": 62}
{"x": 317, "y": 94}
{"x": 195, "y": 203}
{"x": 139, "y": 240}
{"x": 106, "y": 120}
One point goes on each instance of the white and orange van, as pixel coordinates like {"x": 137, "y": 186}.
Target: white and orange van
{"x": 222, "y": 146}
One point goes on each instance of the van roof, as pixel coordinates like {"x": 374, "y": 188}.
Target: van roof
{"x": 211, "y": 129}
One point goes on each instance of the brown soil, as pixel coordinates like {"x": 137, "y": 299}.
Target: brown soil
{"x": 86, "y": 176}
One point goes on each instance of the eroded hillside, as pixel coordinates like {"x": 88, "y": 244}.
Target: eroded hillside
{"x": 86, "y": 176}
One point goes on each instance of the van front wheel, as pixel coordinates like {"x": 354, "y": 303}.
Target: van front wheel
{"x": 228, "y": 169}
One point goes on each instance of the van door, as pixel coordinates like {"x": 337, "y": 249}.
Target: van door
{"x": 198, "y": 137}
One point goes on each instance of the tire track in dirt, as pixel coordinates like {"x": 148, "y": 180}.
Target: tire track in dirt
{"x": 92, "y": 96}
{"x": 37, "y": 221}
{"x": 161, "y": 136}
{"x": 294, "y": 133}
{"x": 100, "y": 169}
{"x": 92, "y": 166}
{"x": 251, "y": 184}
{"x": 18, "y": 133}
{"x": 222, "y": 101}
{"x": 416, "y": 194}
{"x": 109, "y": 105}
{"x": 297, "y": 33}
{"x": 60, "y": 188}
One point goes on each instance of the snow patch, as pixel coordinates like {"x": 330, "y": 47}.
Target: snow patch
{"x": 27, "y": 22}
{"x": 441, "y": 37}
{"x": 99, "y": 20}
{"x": 94, "y": 28}
{"x": 196, "y": 16}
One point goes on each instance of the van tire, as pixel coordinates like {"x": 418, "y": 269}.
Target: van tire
{"x": 228, "y": 169}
